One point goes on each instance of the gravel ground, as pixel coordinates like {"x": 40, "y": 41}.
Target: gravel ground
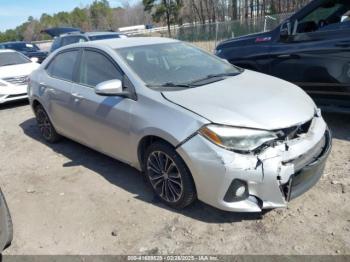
{"x": 68, "y": 199}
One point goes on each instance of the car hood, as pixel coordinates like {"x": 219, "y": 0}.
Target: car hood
{"x": 250, "y": 99}
{"x": 17, "y": 70}
{"x": 246, "y": 39}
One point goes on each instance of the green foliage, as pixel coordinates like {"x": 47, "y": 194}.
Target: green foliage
{"x": 96, "y": 16}
{"x": 101, "y": 14}
{"x": 164, "y": 10}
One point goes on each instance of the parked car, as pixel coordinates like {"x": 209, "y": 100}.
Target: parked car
{"x": 6, "y": 228}
{"x": 28, "y": 49}
{"x": 14, "y": 71}
{"x": 196, "y": 125}
{"x": 67, "y": 36}
{"x": 311, "y": 49}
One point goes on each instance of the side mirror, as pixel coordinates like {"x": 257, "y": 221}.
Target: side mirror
{"x": 34, "y": 59}
{"x": 284, "y": 33}
{"x": 110, "y": 88}
{"x": 286, "y": 30}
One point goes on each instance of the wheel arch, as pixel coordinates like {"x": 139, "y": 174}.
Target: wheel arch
{"x": 145, "y": 142}
{"x": 35, "y": 103}
{"x": 148, "y": 140}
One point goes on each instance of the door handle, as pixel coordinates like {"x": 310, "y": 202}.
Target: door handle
{"x": 77, "y": 97}
{"x": 42, "y": 84}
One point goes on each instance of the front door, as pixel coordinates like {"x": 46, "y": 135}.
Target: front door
{"x": 103, "y": 121}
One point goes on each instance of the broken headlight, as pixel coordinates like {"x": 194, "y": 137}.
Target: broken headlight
{"x": 237, "y": 139}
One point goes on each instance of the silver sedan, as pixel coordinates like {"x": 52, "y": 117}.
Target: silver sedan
{"x": 197, "y": 126}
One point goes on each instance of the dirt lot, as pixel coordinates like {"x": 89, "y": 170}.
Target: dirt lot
{"x": 68, "y": 199}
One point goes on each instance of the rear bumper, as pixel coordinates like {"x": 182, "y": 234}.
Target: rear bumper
{"x": 273, "y": 177}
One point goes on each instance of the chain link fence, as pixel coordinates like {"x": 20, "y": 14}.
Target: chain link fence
{"x": 207, "y": 36}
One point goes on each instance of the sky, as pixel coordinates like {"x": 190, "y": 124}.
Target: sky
{"x": 14, "y": 12}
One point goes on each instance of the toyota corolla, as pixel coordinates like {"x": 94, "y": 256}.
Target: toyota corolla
{"x": 197, "y": 126}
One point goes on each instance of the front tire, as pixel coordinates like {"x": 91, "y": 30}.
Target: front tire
{"x": 46, "y": 128}
{"x": 169, "y": 176}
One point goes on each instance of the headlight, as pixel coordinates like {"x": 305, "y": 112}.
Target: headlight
{"x": 233, "y": 138}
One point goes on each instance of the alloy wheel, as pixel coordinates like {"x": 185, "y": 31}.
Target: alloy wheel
{"x": 44, "y": 124}
{"x": 165, "y": 176}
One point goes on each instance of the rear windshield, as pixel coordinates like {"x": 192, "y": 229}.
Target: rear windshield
{"x": 12, "y": 58}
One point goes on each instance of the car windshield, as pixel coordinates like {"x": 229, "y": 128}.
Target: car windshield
{"x": 12, "y": 58}
{"x": 175, "y": 65}
{"x": 103, "y": 37}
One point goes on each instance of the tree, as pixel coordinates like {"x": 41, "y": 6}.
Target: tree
{"x": 101, "y": 15}
{"x": 166, "y": 10}
{"x": 80, "y": 19}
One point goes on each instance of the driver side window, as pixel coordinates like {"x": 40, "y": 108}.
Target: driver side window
{"x": 331, "y": 15}
{"x": 96, "y": 68}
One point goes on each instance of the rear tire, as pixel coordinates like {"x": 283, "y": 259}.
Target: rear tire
{"x": 46, "y": 128}
{"x": 169, "y": 176}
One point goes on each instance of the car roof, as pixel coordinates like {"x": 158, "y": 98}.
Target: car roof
{"x": 75, "y": 33}
{"x": 101, "y": 33}
{"x": 126, "y": 42}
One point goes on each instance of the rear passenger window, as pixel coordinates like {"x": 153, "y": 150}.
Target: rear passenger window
{"x": 62, "y": 66}
{"x": 96, "y": 68}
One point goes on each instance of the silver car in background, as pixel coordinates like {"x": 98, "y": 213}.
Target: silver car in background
{"x": 197, "y": 126}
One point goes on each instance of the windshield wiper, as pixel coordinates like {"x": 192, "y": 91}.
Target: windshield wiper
{"x": 192, "y": 84}
{"x": 211, "y": 76}
{"x": 171, "y": 84}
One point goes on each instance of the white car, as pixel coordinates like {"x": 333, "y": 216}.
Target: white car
{"x": 14, "y": 71}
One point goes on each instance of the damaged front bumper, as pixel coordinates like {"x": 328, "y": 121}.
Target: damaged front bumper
{"x": 272, "y": 177}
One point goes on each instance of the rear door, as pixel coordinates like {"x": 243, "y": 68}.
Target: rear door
{"x": 56, "y": 87}
{"x": 317, "y": 56}
{"x": 103, "y": 121}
